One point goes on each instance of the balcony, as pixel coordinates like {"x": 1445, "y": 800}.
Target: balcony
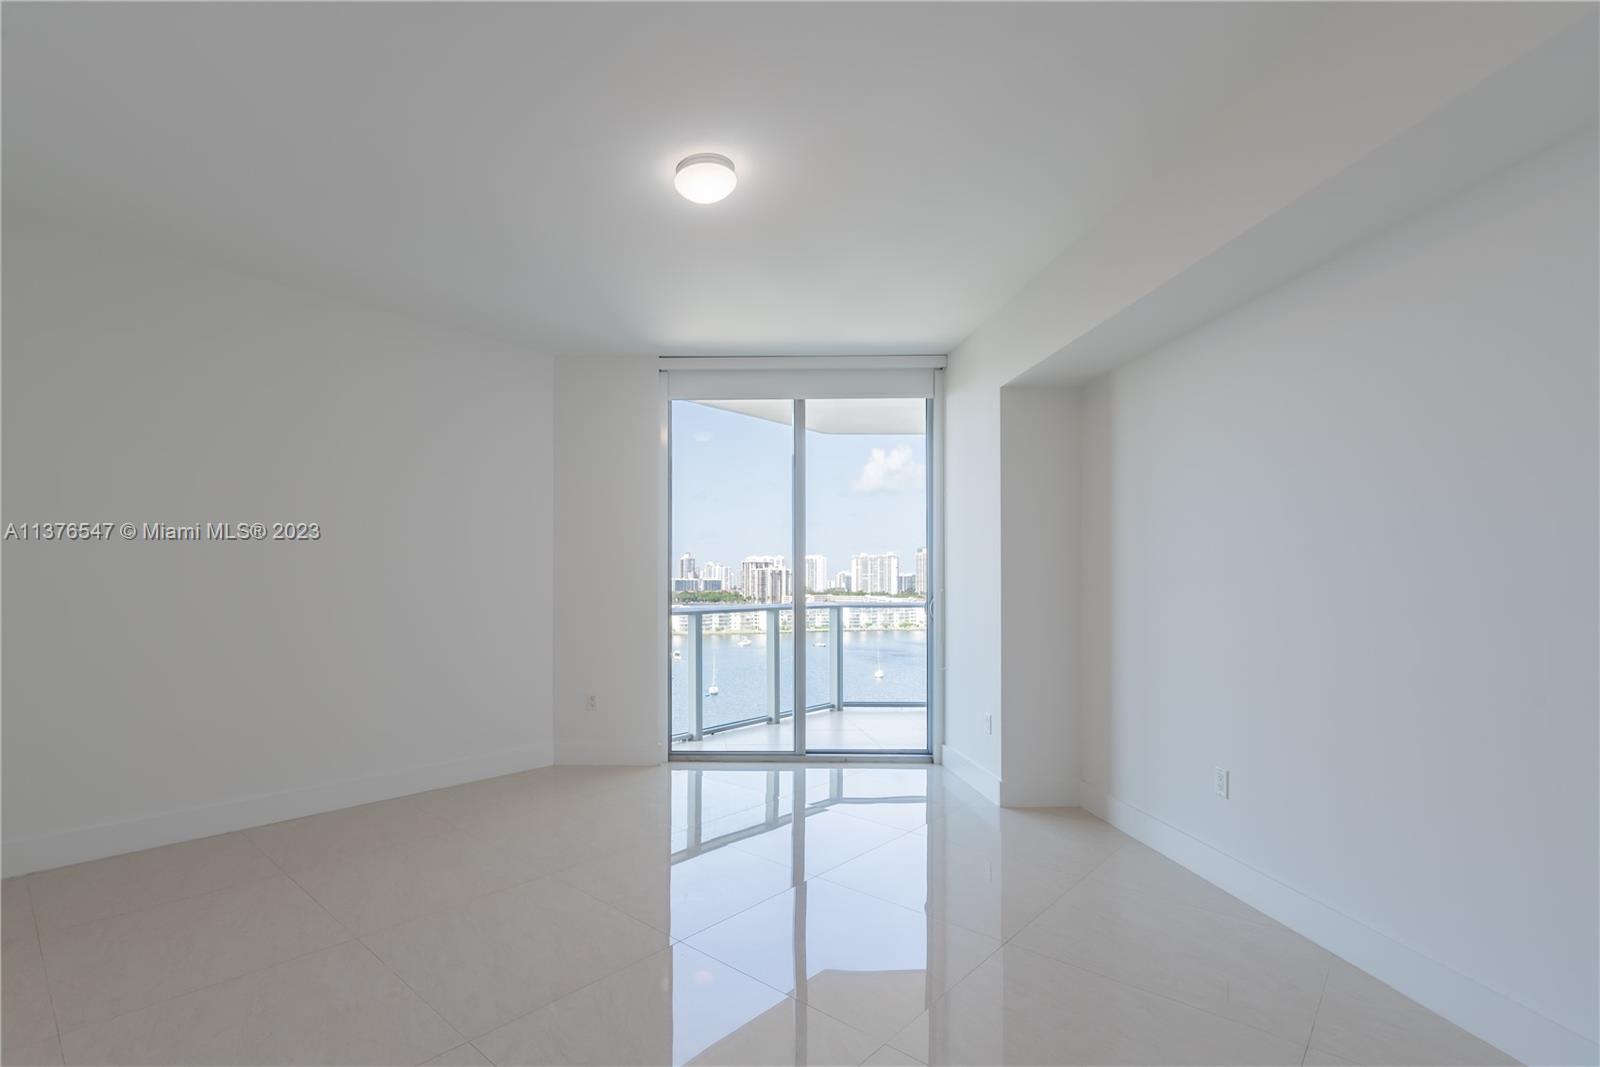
{"x": 732, "y": 669}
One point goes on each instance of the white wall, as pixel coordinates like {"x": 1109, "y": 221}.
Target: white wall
{"x": 1039, "y": 556}
{"x": 1276, "y": 150}
{"x": 1343, "y": 543}
{"x": 610, "y": 562}
{"x": 972, "y": 593}
{"x": 156, "y": 692}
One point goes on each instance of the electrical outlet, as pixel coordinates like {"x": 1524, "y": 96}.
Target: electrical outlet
{"x": 988, "y": 724}
{"x": 1221, "y": 784}
{"x": 589, "y": 703}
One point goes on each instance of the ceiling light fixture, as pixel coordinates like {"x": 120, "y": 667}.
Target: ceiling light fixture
{"x": 705, "y": 178}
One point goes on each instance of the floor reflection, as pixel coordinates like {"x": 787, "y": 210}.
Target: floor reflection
{"x": 710, "y": 914}
{"x": 868, "y": 963}
{"x": 829, "y": 915}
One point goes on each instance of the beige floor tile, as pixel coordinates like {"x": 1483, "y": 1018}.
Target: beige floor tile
{"x": 1022, "y": 1008}
{"x": 463, "y": 1055}
{"x": 868, "y": 963}
{"x": 1265, "y": 976}
{"x": 1068, "y": 837}
{"x": 1365, "y": 1021}
{"x": 117, "y": 885}
{"x": 548, "y": 838}
{"x": 38, "y": 1054}
{"x": 995, "y": 897}
{"x": 683, "y": 897}
{"x": 830, "y": 837}
{"x": 26, "y": 1015}
{"x": 512, "y": 952}
{"x": 16, "y": 918}
{"x": 757, "y": 782}
{"x": 715, "y": 833}
{"x": 645, "y": 804}
{"x": 720, "y": 795}
{"x": 112, "y": 966}
{"x": 552, "y": 792}
{"x": 936, "y": 794}
{"x": 409, "y": 880}
{"x": 560, "y": 798}
{"x": 789, "y": 1033}
{"x": 1136, "y": 867}
{"x": 677, "y": 1007}
{"x": 916, "y": 1041}
{"x": 493, "y": 794}
{"x": 336, "y": 835}
{"x": 335, "y": 1006}
{"x": 204, "y": 952}
{"x": 910, "y": 814}
{"x": 1050, "y": 841}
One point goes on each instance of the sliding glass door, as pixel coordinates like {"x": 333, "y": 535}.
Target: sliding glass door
{"x": 732, "y": 590}
{"x": 867, "y": 522}
{"x": 811, "y": 509}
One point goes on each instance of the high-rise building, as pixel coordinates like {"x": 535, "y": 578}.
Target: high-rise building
{"x": 875, "y": 573}
{"x": 816, "y": 573}
{"x": 922, "y": 571}
{"x": 842, "y": 581}
{"x": 686, "y": 567}
{"x": 765, "y": 579}
{"x": 907, "y": 584}
{"x": 714, "y": 572}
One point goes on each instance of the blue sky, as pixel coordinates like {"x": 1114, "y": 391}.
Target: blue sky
{"x": 730, "y": 483}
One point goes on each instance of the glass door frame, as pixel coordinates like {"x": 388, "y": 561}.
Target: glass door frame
{"x": 933, "y": 659}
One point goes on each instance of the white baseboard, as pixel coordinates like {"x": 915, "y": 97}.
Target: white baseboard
{"x": 44, "y": 851}
{"x": 1510, "y": 1026}
{"x": 969, "y": 771}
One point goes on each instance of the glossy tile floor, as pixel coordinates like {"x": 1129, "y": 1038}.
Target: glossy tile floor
{"x": 611, "y": 916}
{"x": 850, "y": 730}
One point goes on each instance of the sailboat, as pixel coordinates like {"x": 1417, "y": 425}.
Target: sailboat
{"x": 712, "y": 690}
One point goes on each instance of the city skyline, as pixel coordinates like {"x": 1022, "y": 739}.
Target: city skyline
{"x": 759, "y": 575}
{"x": 865, "y": 493}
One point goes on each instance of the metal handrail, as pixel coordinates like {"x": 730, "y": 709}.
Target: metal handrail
{"x": 734, "y": 609}
{"x": 695, "y": 657}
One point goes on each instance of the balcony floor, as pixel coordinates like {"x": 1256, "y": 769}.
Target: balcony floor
{"x": 850, "y": 730}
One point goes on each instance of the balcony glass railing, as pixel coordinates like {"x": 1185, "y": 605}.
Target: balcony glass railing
{"x": 732, "y": 665}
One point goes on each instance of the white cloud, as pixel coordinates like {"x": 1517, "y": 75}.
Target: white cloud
{"x": 894, "y": 471}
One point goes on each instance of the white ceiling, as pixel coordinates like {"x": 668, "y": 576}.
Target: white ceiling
{"x": 904, "y": 168}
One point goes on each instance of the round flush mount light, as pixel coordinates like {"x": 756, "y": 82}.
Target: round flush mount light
{"x": 705, "y": 178}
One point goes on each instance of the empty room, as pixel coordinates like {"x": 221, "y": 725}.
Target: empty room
{"x": 800, "y": 533}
